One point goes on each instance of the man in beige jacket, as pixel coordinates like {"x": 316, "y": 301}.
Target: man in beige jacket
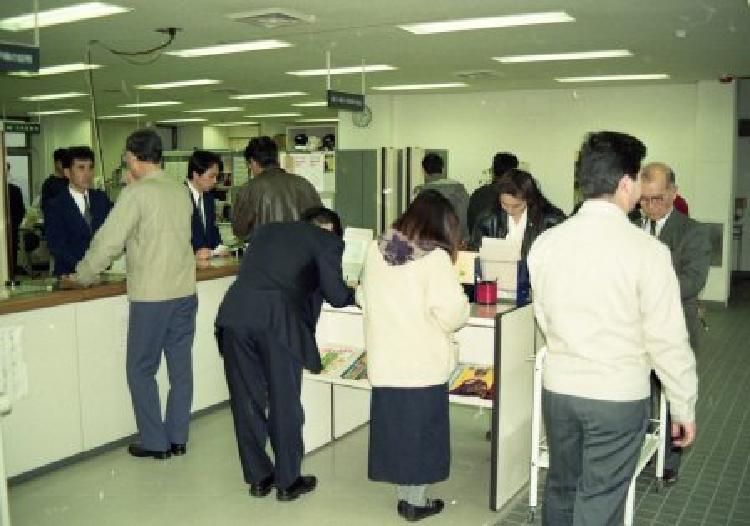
{"x": 607, "y": 299}
{"x": 151, "y": 221}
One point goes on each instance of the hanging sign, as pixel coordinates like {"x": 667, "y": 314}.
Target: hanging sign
{"x": 346, "y": 101}
{"x": 14, "y": 57}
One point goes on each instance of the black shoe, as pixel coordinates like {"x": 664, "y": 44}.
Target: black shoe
{"x": 178, "y": 449}
{"x": 670, "y": 477}
{"x": 137, "y": 451}
{"x": 302, "y": 485}
{"x": 415, "y": 513}
{"x": 401, "y": 507}
{"x": 262, "y": 488}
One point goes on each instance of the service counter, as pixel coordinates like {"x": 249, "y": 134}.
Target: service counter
{"x": 74, "y": 344}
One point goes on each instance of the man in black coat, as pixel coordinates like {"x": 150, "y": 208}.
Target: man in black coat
{"x": 266, "y": 330}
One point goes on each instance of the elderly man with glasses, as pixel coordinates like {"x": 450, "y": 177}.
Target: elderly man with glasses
{"x": 689, "y": 244}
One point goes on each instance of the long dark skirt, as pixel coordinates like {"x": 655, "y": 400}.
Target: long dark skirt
{"x": 409, "y": 435}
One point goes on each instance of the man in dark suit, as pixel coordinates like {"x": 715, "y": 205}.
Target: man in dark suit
{"x": 266, "y": 330}
{"x": 16, "y": 212}
{"x": 73, "y": 216}
{"x": 57, "y": 182}
{"x": 203, "y": 170}
{"x": 690, "y": 246}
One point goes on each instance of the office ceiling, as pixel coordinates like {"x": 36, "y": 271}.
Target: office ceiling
{"x": 688, "y": 39}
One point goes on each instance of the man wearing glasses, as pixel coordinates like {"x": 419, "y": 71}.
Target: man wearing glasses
{"x": 689, "y": 244}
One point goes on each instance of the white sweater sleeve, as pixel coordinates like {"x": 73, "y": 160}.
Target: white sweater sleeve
{"x": 665, "y": 335}
{"x": 446, "y": 300}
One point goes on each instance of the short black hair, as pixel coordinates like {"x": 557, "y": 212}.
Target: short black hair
{"x": 82, "y": 153}
{"x": 321, "y": 215}
{"x": 605, "y": 158}
{"x": 202, "y": 160}
{"x": 263, "y": 151}
{"x": 145, "y": 145}
{"x": 60, "y": 154}
{"x": 502, "y": 163}
{"x": 432, "y": 164}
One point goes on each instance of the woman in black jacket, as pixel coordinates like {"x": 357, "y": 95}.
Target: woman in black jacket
{"x": 522, "y": 211}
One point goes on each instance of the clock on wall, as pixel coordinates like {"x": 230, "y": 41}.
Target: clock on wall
{"x": 362, "y": 119}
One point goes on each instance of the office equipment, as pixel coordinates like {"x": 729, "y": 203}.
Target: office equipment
{"x": 499, "y": 261}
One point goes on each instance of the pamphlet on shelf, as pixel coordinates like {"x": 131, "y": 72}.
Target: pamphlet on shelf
{"x": 472, "y": 380}
{"x": 358, "y": 369}
{"x": 335, "y": 360}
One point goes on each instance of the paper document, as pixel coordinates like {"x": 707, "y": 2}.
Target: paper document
{"x": 499, "y": 261}
{"x": 465, "y": 266}
{"x": 356, "y": 241}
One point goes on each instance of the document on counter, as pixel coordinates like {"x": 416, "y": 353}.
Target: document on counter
{"x": 356, "y": 241}
{"x": 499, "y": 260}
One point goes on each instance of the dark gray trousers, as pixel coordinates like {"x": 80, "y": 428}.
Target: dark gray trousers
{"x": 593, "y": 447}
{"x": 153, "y": 327}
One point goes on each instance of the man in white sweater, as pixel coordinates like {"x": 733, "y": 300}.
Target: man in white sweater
{"x": 607, "y": 299}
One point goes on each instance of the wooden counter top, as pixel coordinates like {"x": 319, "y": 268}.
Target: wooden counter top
{"x": 49, "y": 293}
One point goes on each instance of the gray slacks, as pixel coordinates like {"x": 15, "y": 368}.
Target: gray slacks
{"x": 594, "y": 447}
{"x": 153, "y": 327}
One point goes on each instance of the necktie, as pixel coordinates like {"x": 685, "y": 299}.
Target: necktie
{"x": 652, "y": 227}
{"x": 86, "y": 210}
{"x": 201, "y": 212}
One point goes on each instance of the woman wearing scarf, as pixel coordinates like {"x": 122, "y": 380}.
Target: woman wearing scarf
{"x": 413, "y": 303}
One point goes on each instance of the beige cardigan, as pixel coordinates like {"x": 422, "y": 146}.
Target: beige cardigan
{"x": 410, "y": 314}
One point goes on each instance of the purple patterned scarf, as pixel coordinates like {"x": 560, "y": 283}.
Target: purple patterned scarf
{"x": 397, "y": 249}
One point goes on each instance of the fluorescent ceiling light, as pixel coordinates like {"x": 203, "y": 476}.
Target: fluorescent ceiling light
{"x": 52, "y": 112}
{"x": 605, "y": 78}
{"x": 402, "y": 87}
{"x": 342, "y": 71}
{"x": 53, "y": 96}
{"x": 149, "y": 104}
{"x": 314, "y": 104}
{"x": 238, "y": 123}
{"x": 179, "y": 84}
{"x": 467, "y": 24}
{"x": 216, "y": 110}
{"x": 317, "y": 120}
{"x": 62, "y": 15}
{"x": 168, "y": 121}
{"x": 579, "y": 55}
{"x": 253, "y": 96}
{"x": 55, "y": 70}
{"x": 122, "y": 116}
{"x": 272, "y": 115}
{"x": 225, "y": 49}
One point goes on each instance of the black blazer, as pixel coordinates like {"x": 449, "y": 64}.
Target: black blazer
{"x": 494, "y": 223}
{"x": 208, "y": 236}
{"x": 287, "y": 270}
{"x": 68, "y": 235}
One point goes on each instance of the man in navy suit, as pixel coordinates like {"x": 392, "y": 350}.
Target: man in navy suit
{"x": 74, "y": 215}
{"x": 203, "y": 170}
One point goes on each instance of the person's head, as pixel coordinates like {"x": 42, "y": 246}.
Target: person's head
{"x": 59, "y": 158}
{"x": 204, "y": 168}
{"x": 143, "y": 152}
{"x": 658, "y": 190}
{"x": 502, "y": 162}
{"x": 518, "y": 191}
{"x": 78, "y": 166}
{"x": 430, "y": 220}
{"x": 261, "y": 152}
{"x": 432, "y": 164}
{"x": 608, "y": 168}
{"x": 325, "y": 218}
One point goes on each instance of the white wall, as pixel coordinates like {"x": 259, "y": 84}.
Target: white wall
{"x": 546, "y": 127}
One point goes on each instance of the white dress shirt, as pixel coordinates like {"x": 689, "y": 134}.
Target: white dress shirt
{"x": 79, "y": 198}
{"x": 516, "y": 230}
{"x": 201, "y": 205}
{"x": 659, "y": 223}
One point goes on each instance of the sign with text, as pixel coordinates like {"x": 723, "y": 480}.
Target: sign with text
{"x": 346, "y": 101}
{"x": 14, "y": 57}
{"x": 21, "y": 127}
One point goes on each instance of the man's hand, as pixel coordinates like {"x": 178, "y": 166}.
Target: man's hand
{"x": 69, "y": 281}
{"x": 203, "y": 253}
{"x": 683, "y": 434}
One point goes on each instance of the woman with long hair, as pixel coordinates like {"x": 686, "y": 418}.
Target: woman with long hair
{"x": 413, "y": 303}
{"x": 522, "y": 212}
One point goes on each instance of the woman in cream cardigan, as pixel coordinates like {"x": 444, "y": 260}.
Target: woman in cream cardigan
{"x": 413, "y": 303}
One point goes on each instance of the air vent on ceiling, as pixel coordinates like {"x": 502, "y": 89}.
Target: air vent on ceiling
{"x": 477, "y": 75}
{"x": 272, "y": 18}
